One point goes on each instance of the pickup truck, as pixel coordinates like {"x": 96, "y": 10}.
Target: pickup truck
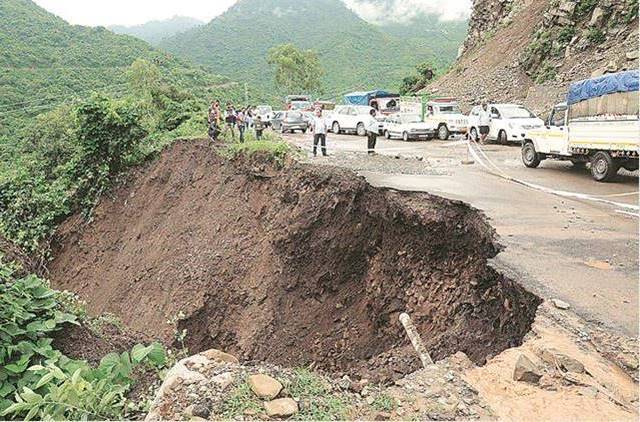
{"x": 598, "y": 124}
{"x": 445, "y": 114}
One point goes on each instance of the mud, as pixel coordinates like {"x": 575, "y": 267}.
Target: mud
{"x": 303, "y": 265}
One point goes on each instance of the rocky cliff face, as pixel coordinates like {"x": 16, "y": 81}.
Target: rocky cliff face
{"x": 529, "y": 51}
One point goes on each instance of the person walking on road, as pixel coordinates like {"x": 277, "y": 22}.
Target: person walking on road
{"x": 319, "y": 127}
{"x": 372, "y": 128}
{"x": 483, "y": 124}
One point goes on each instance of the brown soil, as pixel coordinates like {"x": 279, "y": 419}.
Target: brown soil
{"x": 11, "y": 253}
{"x": 295, "y": 266}
{"x": 81, "y": 342}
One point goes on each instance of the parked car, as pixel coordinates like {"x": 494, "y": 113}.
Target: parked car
{"x": 408, "y": 127}
{"x": 351, "y": 118}
{"x": 509, "y": 122}
{"x": 289, "y": 121}
{"x": 265, "y": 112}
{"x": 447, "y": 117}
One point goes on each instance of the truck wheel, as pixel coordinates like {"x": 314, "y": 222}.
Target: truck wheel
{"x": 603, "y": 167}
{"x": 530, "y": 157}
{"x": 473, "y": 133}
{"x": 502, "y": 138}
{"x": 387, "y": 134}
{"x": 335, "y": 128}
{"x": 443, "y": 133}
{"x": 405, "y": 136}
{"x": 360, "y": 129}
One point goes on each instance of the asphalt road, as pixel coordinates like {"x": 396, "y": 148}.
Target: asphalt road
{"x": 577, "y": 250}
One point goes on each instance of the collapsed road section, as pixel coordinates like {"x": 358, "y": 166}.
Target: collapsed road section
{"x": 299, "y": 265}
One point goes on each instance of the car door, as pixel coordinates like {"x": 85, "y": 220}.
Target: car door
{"x": 556, "y": 133}
{"x": 276, "y": 122}
{"x": 497, "y": 123}
{"x": 393, "y": 126}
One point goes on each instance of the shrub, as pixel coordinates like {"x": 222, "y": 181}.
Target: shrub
{"x": 584, "y": 7}
{"x": 546, "y": 72}
{"x": 271, "y": 147}
{"x": 595, "y": 36}
{"x": 566, "y": 34}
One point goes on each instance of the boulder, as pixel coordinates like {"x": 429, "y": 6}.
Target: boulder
{"x": 632, "y": 55}
{"x": 219, "y": 356}
{"x": 264, "y": 386}
{"x": 560, "y": 304}
{"x": 597, "y": 17}
{"x": 281, "y": 408}
{"x": 526, "y": 371}
{"x": 568, "y": 7}
{"x": 554, "y": 357}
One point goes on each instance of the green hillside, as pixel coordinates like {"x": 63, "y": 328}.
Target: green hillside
{"x": 155, "y": 31}
{"x": 354, "y": 53}
{"x": 45, "y": 61}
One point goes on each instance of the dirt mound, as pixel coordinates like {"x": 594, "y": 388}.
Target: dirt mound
{"x": 302, "y": 265}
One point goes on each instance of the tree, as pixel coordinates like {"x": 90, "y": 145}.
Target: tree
{"x": 297, "y": 71}
{"x": 414, "y": 83}
{"x": 144, "y": 77}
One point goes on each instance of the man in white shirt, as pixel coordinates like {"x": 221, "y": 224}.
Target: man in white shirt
{"x": 372, "y": 126}
{"x": 483, "y": 124}
{"x": 319, "y": 127}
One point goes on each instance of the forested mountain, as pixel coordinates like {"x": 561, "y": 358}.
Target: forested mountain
{"x": 46, "y": 61}
{"x": 155, "y": 31}
{"x": 355, "y": 54}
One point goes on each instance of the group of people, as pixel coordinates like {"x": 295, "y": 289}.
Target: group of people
{"x": 231, "y": 118}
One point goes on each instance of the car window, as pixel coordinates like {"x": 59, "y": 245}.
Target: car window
{"x": 475, "y": 111}
{"x": 495, "y": 113}
{"x": 557, "y": 118}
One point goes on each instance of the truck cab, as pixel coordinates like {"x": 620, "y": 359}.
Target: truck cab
{"x": 446, "y": 115}
{"x": 553, "y": 138}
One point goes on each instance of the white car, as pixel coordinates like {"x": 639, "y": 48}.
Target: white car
{"x": 265, "y": 112}
{"x": 350, "y": 118}
{"x": 408, "y": 127}
{"x": 509, "y": 122}
{"x": 447, "y": 117}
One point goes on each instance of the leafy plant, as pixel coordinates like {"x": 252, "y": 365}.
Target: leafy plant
{"x": 596, "y": 36}
{"x": 384, "y": 402}
{"x": 566, "y": 34}
{"x": 584, "y": 7}
{"x": 321, "y": 402}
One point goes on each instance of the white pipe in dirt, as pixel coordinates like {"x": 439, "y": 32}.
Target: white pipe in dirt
{"x": 416, "y": 341}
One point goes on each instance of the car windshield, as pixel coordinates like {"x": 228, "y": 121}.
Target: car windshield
{"x": 264, "y": 110}
{"x": 294, "y": 116}
{"x": 450, "y": 109}
{"x": 516, "y": 113}
{"x": 300, "y": 105}
{"x": 410, "y": 118}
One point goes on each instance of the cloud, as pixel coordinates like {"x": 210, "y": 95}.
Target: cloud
{"x": 401, "y": 11}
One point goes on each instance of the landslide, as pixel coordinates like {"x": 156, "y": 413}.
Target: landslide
{"x": 295, "y": 266}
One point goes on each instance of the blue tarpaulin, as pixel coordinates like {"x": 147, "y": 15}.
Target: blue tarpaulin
{"x": 607, "y": 84}
{"x": 364, "y": 97}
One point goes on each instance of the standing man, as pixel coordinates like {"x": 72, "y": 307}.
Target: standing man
{"x": 230, "y": 120}
{"x": 259, "y": 125}
{"x": 241, "y": 121}
{"x": 319, "y": 127}
{"x": 484, "y": 121}
{"x": 372, "y": 127}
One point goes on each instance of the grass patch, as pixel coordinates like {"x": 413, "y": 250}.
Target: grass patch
{"x": 596, "y": 36}
{"x": 319, "y": 403}
{"x": 384, "y": 403}
{"x": 271, "y": 147}
{"x": 240, "y": 401}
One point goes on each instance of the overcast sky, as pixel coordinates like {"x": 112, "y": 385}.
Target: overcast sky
{"x": 132, "y": 12}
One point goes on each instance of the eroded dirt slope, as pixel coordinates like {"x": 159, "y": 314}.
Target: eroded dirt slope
{"x": 292, "y": 266}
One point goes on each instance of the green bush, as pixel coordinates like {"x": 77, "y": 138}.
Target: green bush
{"x": 546, "y": 72}
{"x": 566, "y": 34}
{"x": 38, "y": 381}
{"x": 271, "y": 146}
{"x": 595, "y": 36}
{"x": 584, "y": 7}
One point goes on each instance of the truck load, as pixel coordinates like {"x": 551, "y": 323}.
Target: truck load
{"x": 598, "y": 124}
{"x": 382, "y": 101}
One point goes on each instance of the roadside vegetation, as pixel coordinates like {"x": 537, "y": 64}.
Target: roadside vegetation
{"x": 37, "y": 381}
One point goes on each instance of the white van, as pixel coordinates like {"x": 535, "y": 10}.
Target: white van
{"x": 509, "y": 122}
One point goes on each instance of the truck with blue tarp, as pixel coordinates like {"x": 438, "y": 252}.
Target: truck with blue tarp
{"x": 597, "y": 125}
{"x": 383, "y": 101}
